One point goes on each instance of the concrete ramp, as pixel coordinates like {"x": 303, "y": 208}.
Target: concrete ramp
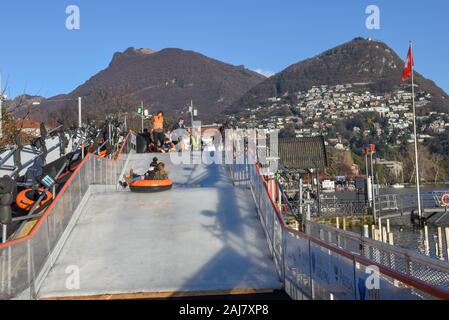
{"x": 202, "y": 237}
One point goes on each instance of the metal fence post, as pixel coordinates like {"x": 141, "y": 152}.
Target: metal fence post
{"x": 94, "y": 174}
{"x": 9, "y": 271}
{"x": 312, "y": 292}
{"x": 4, "y": 233}
{"x": 29, "y": 268}
{"x": 354, "y": 264}
{"x": 3, "y": 271}
{"x": 283, "y": 245}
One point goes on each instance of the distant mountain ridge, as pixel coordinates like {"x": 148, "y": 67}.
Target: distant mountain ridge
{"x": 169, "y": 79}
{"x": 362, "y": 61}
{"x": 164, "y": 80}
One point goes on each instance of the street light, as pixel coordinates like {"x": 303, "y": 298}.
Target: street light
{"x": 193, "y": 112}
{"x": 143, "y": 113}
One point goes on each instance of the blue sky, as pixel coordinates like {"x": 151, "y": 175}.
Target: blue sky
{"x": 38, "y": 55}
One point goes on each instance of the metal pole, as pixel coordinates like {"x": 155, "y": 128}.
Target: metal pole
{"x": 1, "y": 110}
{"x": 4, "y": 233}
{"x": 440, "y": 243}
{"x": 418, "y": 189}
{"x": 366, "y": 231}
{"x": 80, "y": 121}
{"x": 373, "y": 190}
{"x": 110, "y": 133}
{"x": 142, "y": 118}
{"x": 301, "y": 208}
{"x": 426, "y": 240}
{"x": 192, "y": 113}
{"x": 367, "y": 178}
{"x": 367, "y": 168}
{"x": 1, "y": 114}
{"x": 318, "y": 191}
{"x": 447, "y": 242}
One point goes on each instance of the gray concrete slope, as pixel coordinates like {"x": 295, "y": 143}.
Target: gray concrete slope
{"x": 204, "y": 235}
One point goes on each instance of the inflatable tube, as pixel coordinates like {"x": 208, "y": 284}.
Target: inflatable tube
{"x": 148, "y": 186}
{"x": 103, "y": 154}
{"x": 27, "y": 198}
{"x": 445, "y": 200}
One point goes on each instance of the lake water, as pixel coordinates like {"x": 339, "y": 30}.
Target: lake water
{"x": 413, "y": 238}
{"x": 408, "y": 237}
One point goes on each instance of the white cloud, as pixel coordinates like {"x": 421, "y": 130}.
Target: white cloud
{"x": 265, "y": 73}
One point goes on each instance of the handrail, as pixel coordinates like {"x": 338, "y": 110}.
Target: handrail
{"x": 416, "y": 283}
{"x": 58, "y": 197}
{"x": 408, "y": 280}
{"x": 392, "y": 248}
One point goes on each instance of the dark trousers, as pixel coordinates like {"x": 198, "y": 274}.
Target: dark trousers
{"x": 158, "y": 137}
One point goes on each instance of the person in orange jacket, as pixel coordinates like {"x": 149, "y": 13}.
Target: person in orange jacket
{"x": 158, "y": 123}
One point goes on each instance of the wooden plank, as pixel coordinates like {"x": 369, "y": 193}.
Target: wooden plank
{"x": 166, "y": 295}
{"x": 26, "y": 229}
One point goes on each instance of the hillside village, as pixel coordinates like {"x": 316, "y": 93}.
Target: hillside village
{"x": 365, "y": 115}
{"x": 317, "y": 110}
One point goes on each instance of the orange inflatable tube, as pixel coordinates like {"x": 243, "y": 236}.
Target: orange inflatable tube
{"x": 445, "y": 200}
{"x": 147, "y": 186}
{"x": 26, "y": 199}
{"x": 103, "y": 154}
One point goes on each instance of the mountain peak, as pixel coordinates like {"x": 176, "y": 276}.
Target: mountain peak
{"x": 129, "y": 53}
{"x": 370, "y": 64}
{"x": 166, "y": 80}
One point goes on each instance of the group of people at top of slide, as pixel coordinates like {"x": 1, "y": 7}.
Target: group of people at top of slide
{"x": 160, "y": 140}
{"x": 176, "y": 140}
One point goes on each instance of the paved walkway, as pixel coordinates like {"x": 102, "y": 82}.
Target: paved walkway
{"x": 202, "y": 236}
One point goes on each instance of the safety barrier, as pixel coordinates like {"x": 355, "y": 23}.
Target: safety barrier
{"x": 239, "y": 174}
{"x": 22, "y": 260}
{"x": 326, "y": 263}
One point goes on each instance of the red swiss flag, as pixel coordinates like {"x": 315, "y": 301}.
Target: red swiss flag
{"x": 409, "y": 64}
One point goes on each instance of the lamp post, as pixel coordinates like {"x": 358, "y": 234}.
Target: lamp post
{"x": 193, "y": 112}
{"x": 2, "y": 97}
{"x": 372, "y": 151}
{"x": 144, "y": 114}
{"x": 80, "y": 121}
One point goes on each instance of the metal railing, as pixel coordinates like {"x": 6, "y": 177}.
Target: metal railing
{"x": 326, "y": 263}
{"x": 387, "y": 203}
{"x": 331, "y": 206}
{"x": 23, "y": 260}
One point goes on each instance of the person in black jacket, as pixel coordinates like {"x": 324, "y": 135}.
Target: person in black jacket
{"x": 148, "y": 138}
{"x": 180, "y": 124}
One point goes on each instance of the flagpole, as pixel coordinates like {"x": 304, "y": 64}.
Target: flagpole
{"x": 418, "y": 189}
